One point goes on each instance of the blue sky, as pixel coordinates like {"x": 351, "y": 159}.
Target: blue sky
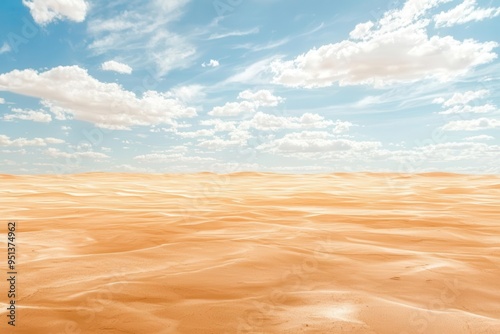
{"x": 238, "y": 85}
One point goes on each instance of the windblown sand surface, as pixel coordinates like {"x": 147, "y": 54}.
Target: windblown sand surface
{"x": 254, "y": 253}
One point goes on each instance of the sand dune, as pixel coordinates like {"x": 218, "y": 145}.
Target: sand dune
{"x": 255, "y": 253}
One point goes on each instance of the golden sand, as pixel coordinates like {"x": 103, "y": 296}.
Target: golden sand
{"x": 254, "y": 253}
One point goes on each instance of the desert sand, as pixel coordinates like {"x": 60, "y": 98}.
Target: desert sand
{"x": 254, "y": 253}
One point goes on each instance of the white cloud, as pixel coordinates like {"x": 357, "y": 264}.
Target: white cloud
{"x": 438, "y": 100}
{"x": 219, "y": 144}
{"x": 234, "y": 33}
{"x": 188, "y": 93}
{"x": 5, "y": 48}
{"x": 341, "y": 126}
{"x": 467, "y": 11}
{"x": 116, "y": 67}
{"x": 261, "y": 98}
{"x": 47, "y": 11}
{"x": 362, "y": 30}
{"x": 397, "y": 48}
{"x": 21, "y": 142}
{"x": 261, "y": 47}
{"x": 254, "y": 73}
{"x": 233, "y": 109}
{"x": 350, "y": 155}
{"x": 422, "y": 157}
{"x": 54, "y": 141}
{"x": 171, "y": 158}
{"x": 459, "y": 103}
{"x": 263, "y": 121}
{"x": 456, "y": 150}
{"x": 302, "y": 169}
{"x": 233, "y": 167}
{"x": 28, "y": 115}
{"x": 251, "y": 101}
{"x": 65, "y": 129}
{"x": 219, "y": 125}
{"x": 472, "y": 125}
{"x": 316, "y": 141}
{"x": 2, "y": 101}
{"x": 479, "y": 138}
{"x": 195, "y": 134}
{"x": 211, "y": 63}
{"x": 143, "y": 32}
{"x": 459, "y": 109}
{"x": 72, "y": 91}
{"x": 56, "y": 153}
{"x": 463, "y": 98}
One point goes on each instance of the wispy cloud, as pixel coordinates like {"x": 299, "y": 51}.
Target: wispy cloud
{"x": 479, "y": 138}
{"x": 467, "y": 11}
{"x": 236, "y": 33}
{"x": 260, "y": 47}
{"x": 143, "y": 35}
{"x": 255, "y": 73}
{"x": 5, "y": 48}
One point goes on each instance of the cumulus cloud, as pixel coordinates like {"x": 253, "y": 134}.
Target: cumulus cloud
{"x": 211, "y": 63}
{"x": 263, "y": 121}
{"x": 233, "y": 109}
{"x": 56, "y": 153}
{"x": 70, "y": 90}
{"x": 251, "y": 102}
{"x": 479, "y": 138}
{"x": 459, "y": 103}
{"x": 236, "y": 135}
{"x": 263, "y": 97}
{"x": 421, "y": 158}
{"x": 194, "y": 134}
{"x": 188, "y": 93}
{"x": 463, "y": 98}
{"x": 316, "y": 141}
{"x": 397, "y": 48}
{"x": 21, "y": 142}
{"x": 2, "y": 101}
{"x": 219, "y": 144}
{"x": 220, "y": 125}
{"x": 28, "y": 115}
{"x": 464, "y": 109}
{"x": 467, "y": 11}
{"x": 472, "y": 125}
{"x": 116, "y": 67}
{"x": 47, "y": 11}
{"x": 457, "y": 151}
